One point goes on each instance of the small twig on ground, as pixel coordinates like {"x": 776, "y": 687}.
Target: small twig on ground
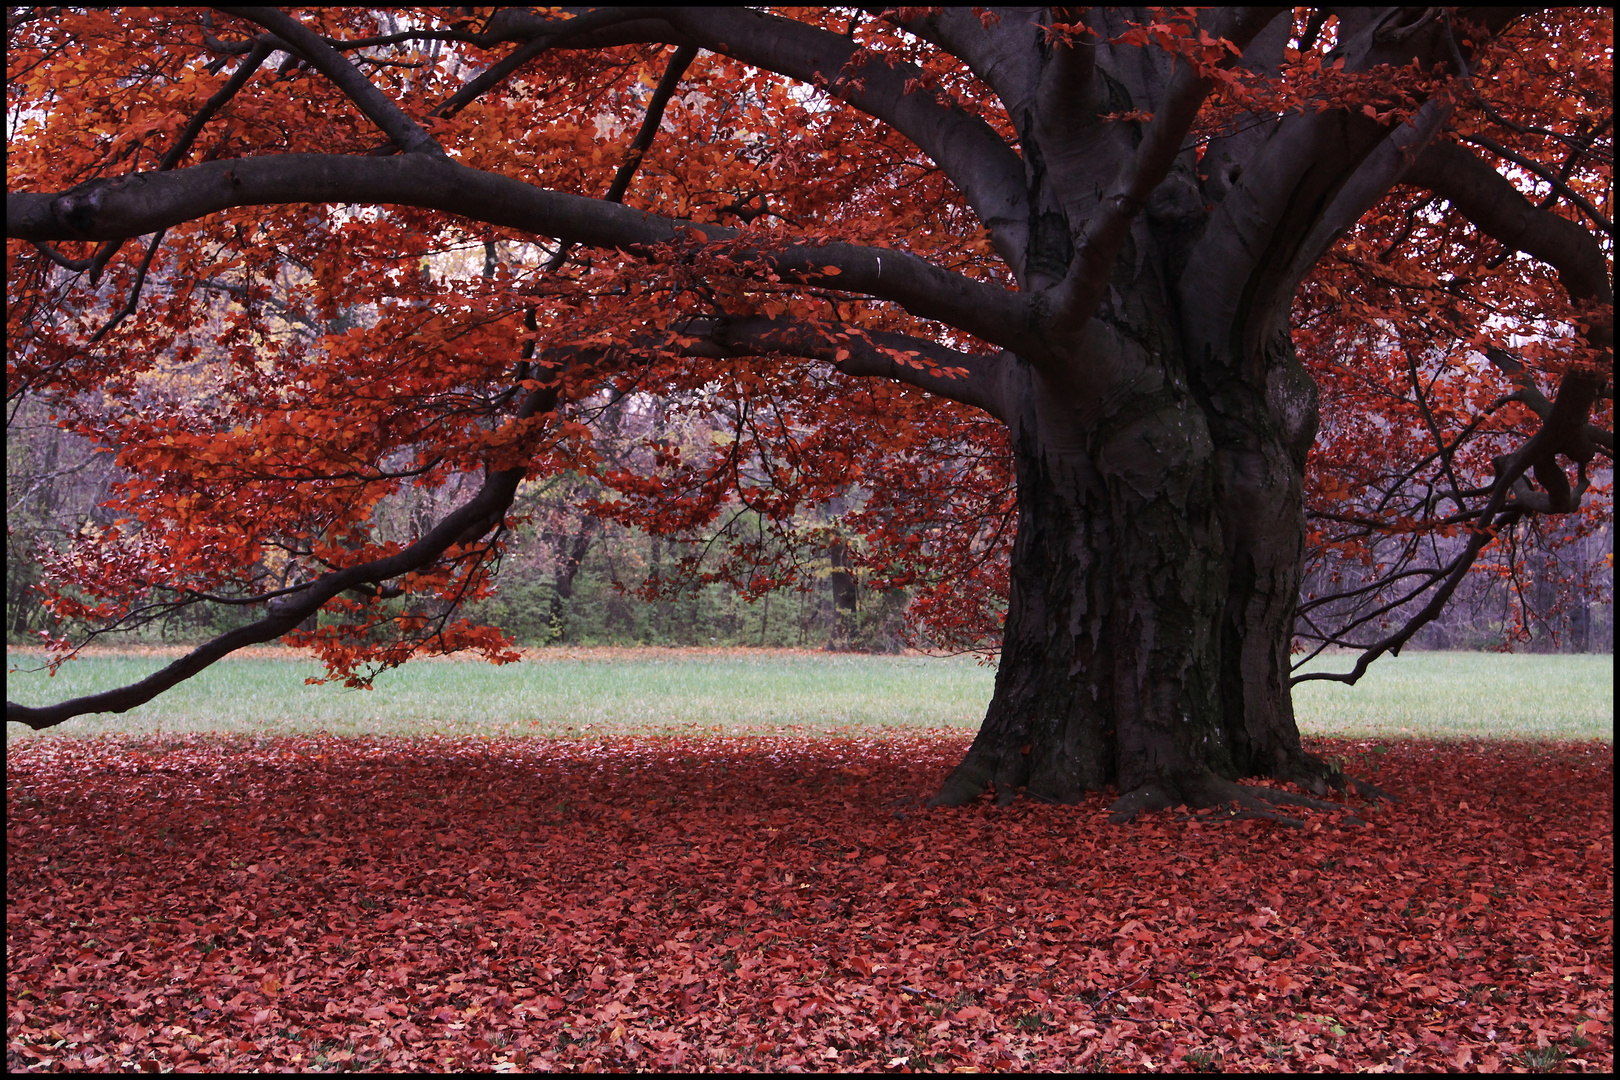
{"x": 1116, "y": 990}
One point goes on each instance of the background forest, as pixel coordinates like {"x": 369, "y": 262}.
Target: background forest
{"x": 572, "y": 576}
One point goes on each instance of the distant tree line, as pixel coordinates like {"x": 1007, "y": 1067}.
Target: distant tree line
{"x": 574, "y": 578}
{"x": 570, "y": 577}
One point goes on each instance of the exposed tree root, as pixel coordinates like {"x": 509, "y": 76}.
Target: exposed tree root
{"x": 1371, "y": 792}
{"x": 1287, "y": 798}
{"x": 1316, "y": 774}
{"x": 1201, "y": 789}
{"x": 1198, "y": 788}
{"x": 966, "y": 782}
{"x": 1008, "y": 771}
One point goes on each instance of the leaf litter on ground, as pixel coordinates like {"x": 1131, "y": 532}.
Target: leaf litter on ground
{"x": 208, "y": 903}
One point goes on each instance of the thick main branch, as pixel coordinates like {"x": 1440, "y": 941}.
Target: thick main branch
{"x": 142, "y": 203}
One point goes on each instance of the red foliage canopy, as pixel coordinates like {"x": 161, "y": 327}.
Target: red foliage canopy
{"x": 310, "y": 328}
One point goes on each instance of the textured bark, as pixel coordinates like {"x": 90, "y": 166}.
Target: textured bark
{"x": 1154, "y": 578}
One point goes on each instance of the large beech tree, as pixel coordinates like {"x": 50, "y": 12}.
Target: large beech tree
{"x": 947, "y": 253}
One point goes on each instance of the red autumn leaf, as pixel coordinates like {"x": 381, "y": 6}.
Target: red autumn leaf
{"x": 1347, "y": 944}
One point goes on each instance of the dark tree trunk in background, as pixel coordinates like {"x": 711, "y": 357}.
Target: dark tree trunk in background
{"x": 571, "y": 553}
{"x": 844, "y": 596}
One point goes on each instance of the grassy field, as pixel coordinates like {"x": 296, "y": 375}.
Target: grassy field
{"x": 564, "y": 693}
{"x": 1464, "y": 695}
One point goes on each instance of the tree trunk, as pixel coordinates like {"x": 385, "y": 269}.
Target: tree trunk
{"x": 570, "y": 556}
{"x": 1154, "y": 578}
{"x": 841, "y": 578}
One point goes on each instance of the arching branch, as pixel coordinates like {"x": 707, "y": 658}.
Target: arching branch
{"x": 378, "y": 107}
{"x": 1489, "y": 199}
{"x": 1004, "y": 54}
{"x": 142, "y": 203}
{"x": 1383, "y": 169}
{"x": 983, "y": 167}
{"x": 1557, "y": 182}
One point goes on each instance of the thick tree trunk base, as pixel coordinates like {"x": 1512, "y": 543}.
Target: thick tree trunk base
{"x": 1201, "y": 789}
{"x": 1152, "y": 588}
{"x": 1197, "y": 788}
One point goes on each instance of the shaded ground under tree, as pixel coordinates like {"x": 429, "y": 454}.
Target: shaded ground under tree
{"x": 744, "y": 903}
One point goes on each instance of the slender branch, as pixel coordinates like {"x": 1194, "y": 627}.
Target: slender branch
{"x": 78, "y": 266}
{"x": 15, "y": 500}
{"x": 134, "y": 291}
{"x": 377, "y": 106}
{"x": 642, "y": 142}
{"x": 244, "y": 71}
{"x": 501, "y": 70}
{"x": 1429, "y": 421}
{"x": 1393, "y": 643}
{"x": 97, "y": 263}
{"x": 1506, "y": 505}
{"x": 649, "y": 125}
{"x": 1373, "y": 587}
{"x": 490, "y": 78}
{"x": 1552, "y": 178}
{"x": 1407, "y": 228}
{"x": 970, "y": 378}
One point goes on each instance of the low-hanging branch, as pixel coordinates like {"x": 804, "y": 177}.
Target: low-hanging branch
{"x": 466, "y": 524}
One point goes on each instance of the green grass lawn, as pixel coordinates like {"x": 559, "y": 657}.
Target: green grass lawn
{"x": 1464, "y": 695}
{"x": 1418, "y": 695}
{"x": 646, "y": 694}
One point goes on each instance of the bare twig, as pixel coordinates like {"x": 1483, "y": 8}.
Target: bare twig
{"x": 1119, "y": 989}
